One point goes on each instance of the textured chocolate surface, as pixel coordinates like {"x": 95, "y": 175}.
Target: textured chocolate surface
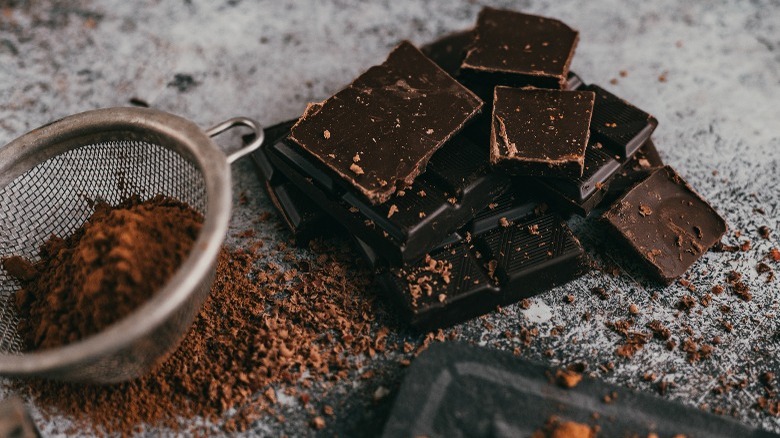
{"x": 509, "y": 252}
{"x": 516, "y": 49}
{"x": 617, "y": 124}
{"x": 666, "y": 223}
{"x": 382, "y": 129}
{"x": 540, "y": 132}
{"x": 454, "y": 389}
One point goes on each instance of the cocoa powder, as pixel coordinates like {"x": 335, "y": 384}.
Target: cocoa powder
{"x": 263, "y": 329}
{"x": 103, "y": 271}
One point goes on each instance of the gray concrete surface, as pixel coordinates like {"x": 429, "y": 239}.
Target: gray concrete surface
{"x": 719, "y": 127}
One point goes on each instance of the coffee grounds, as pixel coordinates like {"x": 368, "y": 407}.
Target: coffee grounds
{"x": 261, "y": 327}
{"x": 103, "y": 271}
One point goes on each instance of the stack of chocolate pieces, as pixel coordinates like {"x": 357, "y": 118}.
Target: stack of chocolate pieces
{"x": 453, "y": 168}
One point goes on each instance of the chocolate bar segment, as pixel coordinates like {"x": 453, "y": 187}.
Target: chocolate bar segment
{"x": 380, "y": 131}
{"x": 603, "y": 175}
{"x": 458, "y": 183}
{"x": 458, "y": 390}
{"x": 510, "y": 252}
{"x": 618, "y": 125}
{"x": 515, "y": 49}
{"x": 666, "y": 223}
{"x": 540, "y": 132}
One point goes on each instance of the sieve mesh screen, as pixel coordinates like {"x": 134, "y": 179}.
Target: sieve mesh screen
{"x": 55, "y": 197}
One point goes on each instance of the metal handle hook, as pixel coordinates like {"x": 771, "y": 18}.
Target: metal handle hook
{"x": 239, "y": 121}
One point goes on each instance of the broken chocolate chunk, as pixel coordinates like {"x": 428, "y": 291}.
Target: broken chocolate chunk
{"x": 395, "y": 116}
{"x": 681, "y": 228}
{"x": 540, "y": 132}
{"x": 516, "y": 49}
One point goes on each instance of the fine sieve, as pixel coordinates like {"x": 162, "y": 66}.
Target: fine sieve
{"x": 47, "y": 177}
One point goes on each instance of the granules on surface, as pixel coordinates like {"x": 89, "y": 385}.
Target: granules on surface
{"x": 103, "y": 271}
{"x": 259, "y": 327}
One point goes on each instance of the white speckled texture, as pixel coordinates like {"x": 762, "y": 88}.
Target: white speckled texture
{"x": 266, "y": 59}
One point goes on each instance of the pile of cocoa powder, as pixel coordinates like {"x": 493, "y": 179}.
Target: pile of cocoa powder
{"x": 103, "y": 271}
{"x": 263, "y": 329}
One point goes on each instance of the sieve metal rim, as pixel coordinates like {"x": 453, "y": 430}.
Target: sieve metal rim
{"x": 75, "y": 131}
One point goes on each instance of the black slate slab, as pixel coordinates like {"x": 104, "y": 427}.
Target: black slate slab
{"x": 454, "y": 390}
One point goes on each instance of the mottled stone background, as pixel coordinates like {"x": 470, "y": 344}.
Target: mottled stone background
{"x": 708, "y": 70}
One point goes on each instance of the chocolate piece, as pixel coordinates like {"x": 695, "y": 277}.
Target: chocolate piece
{"x": 303, "y": 219}
{"x": 540, "y": 132}
{"x": 602, "y": 170}
{"x": 382, "y": 129}
{"x": 454, "y": 390}
{"x": 448, "y": 51}
{"x": 618, "y": 125}
{"x": 666, "y": 223}
{"x": 515, "y": 49}
{"x": 458, "y": 183}
{"x": 15, "y": 420}
{"x": 508, "y": 253}
{"x": 581, "y": 195}
{"x": 644, "y": 162}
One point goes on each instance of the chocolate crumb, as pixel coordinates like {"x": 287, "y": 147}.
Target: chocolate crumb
{"x": 318, "y": 423}
{"x": 567, "y": 379}
{"x": 600, "y": 292}
{"x": 357, "y": 170}
{"x": 393, "y": 210}
{"x": 659, "y": 330}
{"x": 764, "y": 232}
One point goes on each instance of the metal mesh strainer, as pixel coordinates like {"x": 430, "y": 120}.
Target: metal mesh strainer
{"x": 46, "y": 177}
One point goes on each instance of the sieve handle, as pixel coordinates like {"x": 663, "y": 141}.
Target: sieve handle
{"x": 239, "y": 121}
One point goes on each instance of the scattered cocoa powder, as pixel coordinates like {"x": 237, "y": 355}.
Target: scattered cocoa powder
{"x": 103, "y": 271}
{"x": 259, "y": 328}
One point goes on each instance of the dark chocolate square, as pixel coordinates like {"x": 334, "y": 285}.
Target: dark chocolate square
{"x": 380, "y": 131}
{"x": 666, "y": 223}
{"x": 540, "y": 132}
{"x": 617, "y": 124}
{"x": 515, "y": 49}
